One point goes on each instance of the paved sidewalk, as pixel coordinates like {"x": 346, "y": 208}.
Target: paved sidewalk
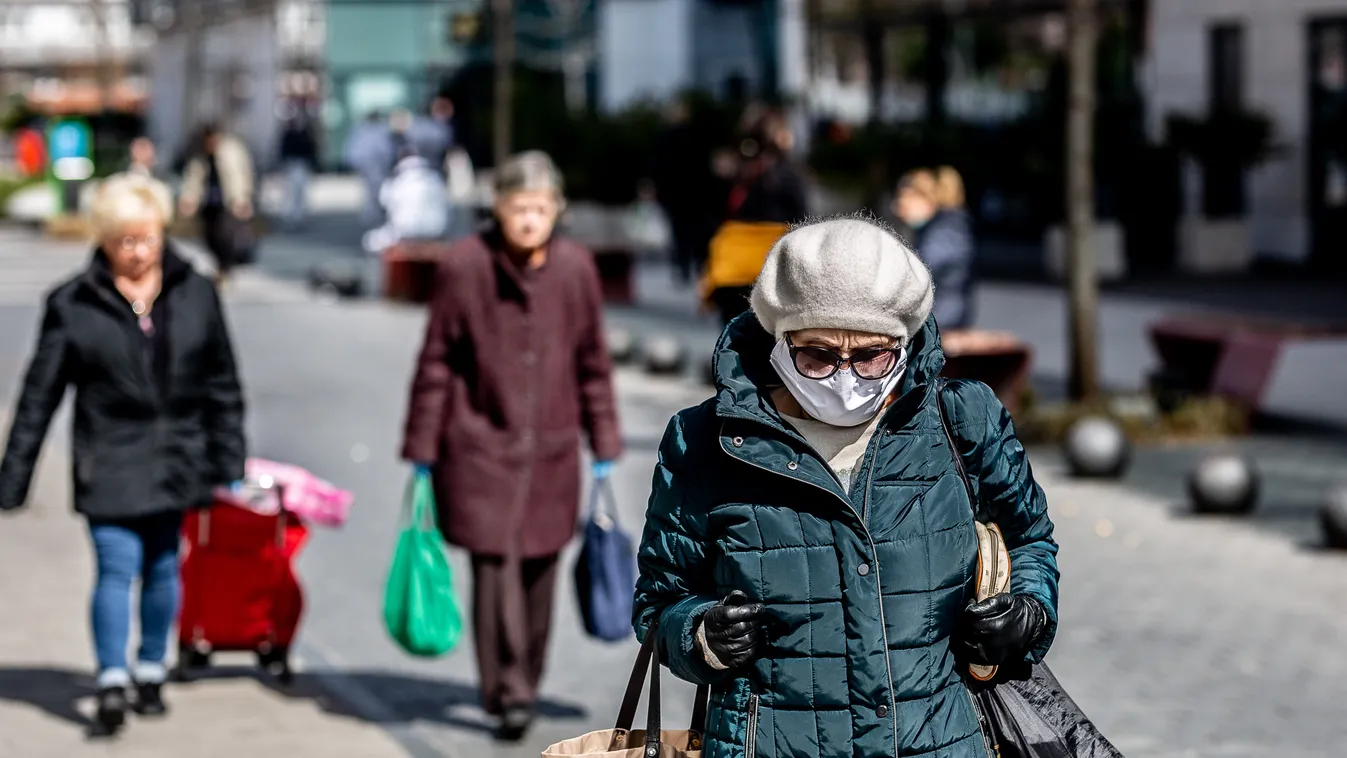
{"x": 46, "y": 685}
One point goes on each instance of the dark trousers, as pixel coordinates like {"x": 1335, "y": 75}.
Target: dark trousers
{"x": 220, "y": 230}
{"x": 512, "y": 618}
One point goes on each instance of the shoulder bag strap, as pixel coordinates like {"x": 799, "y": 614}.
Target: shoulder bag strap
{"x": 648, "y": 658}
{"x": 993, "y": 574}
{"x": 953, "y": 445}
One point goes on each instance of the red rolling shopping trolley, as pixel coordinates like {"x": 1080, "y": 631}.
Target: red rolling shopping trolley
{"x": 239, "y": 588}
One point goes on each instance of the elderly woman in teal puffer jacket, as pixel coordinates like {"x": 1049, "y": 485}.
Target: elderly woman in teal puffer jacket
{"x": 810, "y": 548}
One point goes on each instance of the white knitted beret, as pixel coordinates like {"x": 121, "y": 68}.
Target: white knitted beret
{"x": 843, "y": 273}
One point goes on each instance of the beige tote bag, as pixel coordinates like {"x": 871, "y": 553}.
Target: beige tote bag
{"x": 622, "y": 741}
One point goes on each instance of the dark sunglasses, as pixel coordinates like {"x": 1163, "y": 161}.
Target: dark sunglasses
{"x": 821, "y": 363}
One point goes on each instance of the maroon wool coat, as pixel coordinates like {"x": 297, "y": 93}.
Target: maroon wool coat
{"x": 513, "y": 369}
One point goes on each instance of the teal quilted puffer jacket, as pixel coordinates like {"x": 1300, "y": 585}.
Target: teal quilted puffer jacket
{"x": 862, "y": 592}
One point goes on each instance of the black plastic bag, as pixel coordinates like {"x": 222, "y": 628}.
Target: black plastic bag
{"x": 1026, "y": 714}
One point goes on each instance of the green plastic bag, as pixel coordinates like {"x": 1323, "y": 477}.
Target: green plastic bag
{"x": 420, "y": 610}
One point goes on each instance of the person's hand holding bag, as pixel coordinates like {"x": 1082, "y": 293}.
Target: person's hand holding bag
{"x": 731, "y": 632}
{"x": 1001, "y": 628}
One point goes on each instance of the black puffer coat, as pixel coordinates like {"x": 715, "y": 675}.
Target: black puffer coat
{"x": 149, "y": 435}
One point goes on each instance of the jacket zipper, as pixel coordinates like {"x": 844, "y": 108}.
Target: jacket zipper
{"x": 751, "y": 739}
{"x": 874, "y": 552}
{"x": 982, "y": 726}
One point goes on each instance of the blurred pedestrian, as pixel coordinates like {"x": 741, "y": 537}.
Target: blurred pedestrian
{"x": 432, "y": 135}
{"x": 371, "y": 154}
{"x": 513, "y": 369}
{"x": 158, "y": 422}
{"x": 809, "y": 546}
{"x": 299, "y": 159}
{"x": 414, "y": 203}
{"x": 217, "y": 188}
{"x": 682, "y": 177}
{"x": 931, "y": 204}
{"x": 769, "y": 194}
{"x": 143, "y": 158}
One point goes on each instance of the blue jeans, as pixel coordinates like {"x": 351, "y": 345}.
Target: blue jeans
{"x": 143, "y": 548}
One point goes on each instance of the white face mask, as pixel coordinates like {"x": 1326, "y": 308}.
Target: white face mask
{"x": 842, "y": 399}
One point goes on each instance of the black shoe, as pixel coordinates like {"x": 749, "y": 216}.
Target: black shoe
{"x": 111, "y": 709}
{"x": 514, "y": 724}
{"x": 150, "y": 699}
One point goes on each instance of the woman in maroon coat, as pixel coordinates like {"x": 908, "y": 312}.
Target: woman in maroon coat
{"x": 513, "y": 370}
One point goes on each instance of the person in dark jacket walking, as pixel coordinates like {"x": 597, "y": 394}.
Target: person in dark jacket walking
{"x": 299, "y": 159}
{"x": 769, "y": 195}
{"x": 931, "y": 203}
{"x": 810, "y": 546}
{"x": 513, "y": 369}
{"x": 158, "y": 422}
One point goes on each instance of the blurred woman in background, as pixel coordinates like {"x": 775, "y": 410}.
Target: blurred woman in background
{"x": 931, "y": 204}
{"x": 158, "y": 423}
{"x": 217, "y": 187}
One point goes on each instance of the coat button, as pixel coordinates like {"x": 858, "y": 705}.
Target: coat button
{"x": 792, "y": 465}
{"x": 738, "y": 441}
{"x": 863, "y": 569}
{"x": 882, "y": 711}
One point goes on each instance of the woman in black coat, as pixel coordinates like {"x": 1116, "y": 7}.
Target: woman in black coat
{"x": 158, "y": 423}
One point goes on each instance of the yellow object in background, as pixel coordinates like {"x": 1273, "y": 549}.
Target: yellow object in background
{"x": 737, "y": 253}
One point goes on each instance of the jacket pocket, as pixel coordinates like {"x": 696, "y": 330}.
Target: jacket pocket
{"x": 751, "y": 737}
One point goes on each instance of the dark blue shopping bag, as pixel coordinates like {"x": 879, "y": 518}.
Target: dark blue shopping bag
{"x": 605, "y": 574}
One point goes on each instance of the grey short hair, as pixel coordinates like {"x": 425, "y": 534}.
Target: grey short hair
{"x": 530, "y": 171}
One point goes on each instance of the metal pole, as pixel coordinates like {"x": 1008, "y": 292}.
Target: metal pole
{"x": 194, "y": 75}
{"x": 502, "y": 20}
{"x": 1084, "y": 286}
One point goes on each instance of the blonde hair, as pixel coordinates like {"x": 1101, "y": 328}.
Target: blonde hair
{"x": 942, "y": 186}
{"x": 128, "y": 197}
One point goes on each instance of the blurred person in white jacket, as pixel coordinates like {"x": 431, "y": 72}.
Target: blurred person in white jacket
{"x": 415, "y": 202}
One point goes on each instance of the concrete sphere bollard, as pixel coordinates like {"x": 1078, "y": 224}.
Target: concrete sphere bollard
{"x": 664, "y": 355}
{"x": 1096, "y": 446}
{"x": 1224, "y": 483}
{"x": 1333, "y": 518}
{"x": 621, "y": 345}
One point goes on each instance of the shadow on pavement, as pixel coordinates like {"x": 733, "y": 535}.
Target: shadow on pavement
{"x": 402, "y": 698}
{"x": 51, "y": 690}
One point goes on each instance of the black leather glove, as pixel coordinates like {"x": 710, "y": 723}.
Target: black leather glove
{"x": 733, "y": 630}
{"x": 1001, "y": 628}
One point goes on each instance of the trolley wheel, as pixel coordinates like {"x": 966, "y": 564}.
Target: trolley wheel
{"x": 276, "y": 661}
{"x": 190, "y": 658}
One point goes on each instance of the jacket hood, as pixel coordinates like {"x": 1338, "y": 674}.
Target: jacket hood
{"x": 744, "y": 374}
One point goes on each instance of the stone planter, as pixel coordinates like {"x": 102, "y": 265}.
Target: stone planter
{"x": 1215, "y": 246}
{"x": 1107, "y": 243}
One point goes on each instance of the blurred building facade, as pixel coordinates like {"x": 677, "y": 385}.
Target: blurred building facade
{"x": 650, "y": 50}
{"x": 73, "y": 56}
{"x": 239, "y": 63}
{"x": 1286, "y": 59}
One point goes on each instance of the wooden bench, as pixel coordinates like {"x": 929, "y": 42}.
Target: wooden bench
{"x": 1223, "y": 356}
{"x": 998, "y": 359}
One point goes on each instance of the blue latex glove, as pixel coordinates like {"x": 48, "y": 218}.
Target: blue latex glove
{"x": 421, "y": 469}
{"x": 601, "y": 470}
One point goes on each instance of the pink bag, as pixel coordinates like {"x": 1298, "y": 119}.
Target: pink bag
{"x": 311, "y": 499}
